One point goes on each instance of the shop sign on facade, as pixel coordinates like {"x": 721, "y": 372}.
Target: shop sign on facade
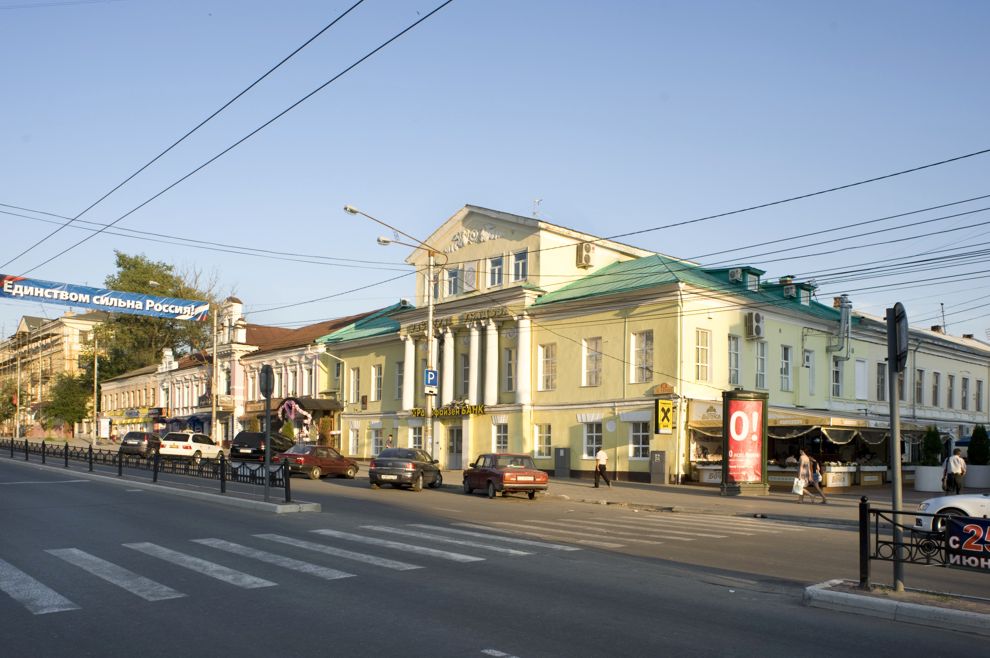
{"x": 453, "y": 410}
{"x": 664, "y": 417}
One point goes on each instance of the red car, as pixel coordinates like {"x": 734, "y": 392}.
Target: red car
{"x": 317, "y": 461}
{"x": 505, "y": 472}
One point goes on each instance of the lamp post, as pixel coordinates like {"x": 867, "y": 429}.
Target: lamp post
{"x": 430, "y": 357}
{"x": 213, "y": 384}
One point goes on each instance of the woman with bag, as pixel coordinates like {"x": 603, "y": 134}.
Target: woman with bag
{"x": 804, "y": 476}
{"x": 816, "y": 479}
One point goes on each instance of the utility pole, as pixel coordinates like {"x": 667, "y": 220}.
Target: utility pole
{"x": 96, "y": 399}
{"x": 213, "y": 385}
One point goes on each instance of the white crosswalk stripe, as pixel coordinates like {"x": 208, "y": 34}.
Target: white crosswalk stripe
{"x": 546, "y": 533}
{"x": 514, "y": 540}
{"x": 126, "y": 579}
{"x": 448, "y": 540}
{"x": 617, "y": 527}
{"x": 278, "y": 560}
{"x": 399, "y": 546}
{"x": 211, "y": 569}
{"x": 580, "y": 528}
{"x": 716, "y": 523}
{"x": 37, "y": 598}
{"x": 340, "y": 552}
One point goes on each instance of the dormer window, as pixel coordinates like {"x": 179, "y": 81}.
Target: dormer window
{"x": 520, "y": 265}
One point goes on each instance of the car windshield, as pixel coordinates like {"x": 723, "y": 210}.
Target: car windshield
{"x": 514, "y": 461}
{"x": 299, "y": 449}
{"x": 398, "y": 453}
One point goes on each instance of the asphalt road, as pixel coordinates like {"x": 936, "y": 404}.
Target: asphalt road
{"x": 92, "y": 568}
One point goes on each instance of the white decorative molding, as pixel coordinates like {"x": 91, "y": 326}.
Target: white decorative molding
{"x": 644, "y": 416}
{"x": 375, "y": 424}
{"x": 355, "y": 424}
{"x": 500, "y": 419}
{"x": 590, "y": 417}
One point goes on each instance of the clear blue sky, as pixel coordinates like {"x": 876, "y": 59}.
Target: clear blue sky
{"x": 620, "y": 115}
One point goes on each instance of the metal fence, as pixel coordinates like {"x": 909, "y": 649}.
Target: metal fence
{"x": 220, "y": 469}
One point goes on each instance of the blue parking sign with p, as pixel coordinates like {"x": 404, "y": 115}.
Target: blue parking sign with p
{"x": 430, "y": 377}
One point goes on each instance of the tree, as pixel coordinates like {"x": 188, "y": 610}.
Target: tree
{"x": 70, "y": 398}
{"x": 979, "y": 447}
{"x": 931, "y": 448}
{"x": 287, "y": 430}
{"x": 8, "y": 399}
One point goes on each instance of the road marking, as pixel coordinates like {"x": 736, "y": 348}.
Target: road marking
{"x": 609, "y": 531}
{"x": 278, "y": 560}
{"x": 612, "y": 525}
{"x": 211, "y": 569}
{"x": 45, "y": 482}
{"x": 340, "y": 552}
{"x": 399, "y": 546}
{"x": 514, "y": 540}
{"x": 497, "y": 653}
{"x": 146, "y": 588}
{"x": 449, "y": 540}
{"x": 555, "y": 533}
{"x": 134, "y": 490}
{"x": 37, "y": 598}
{"x": 718, "y": 524}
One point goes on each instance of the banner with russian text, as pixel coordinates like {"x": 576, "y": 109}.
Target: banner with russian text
{"x": 102, "y": 299}
{"x": 745, "y": 427}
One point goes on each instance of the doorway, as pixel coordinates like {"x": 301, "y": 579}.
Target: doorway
{"x": 455, "y": 446}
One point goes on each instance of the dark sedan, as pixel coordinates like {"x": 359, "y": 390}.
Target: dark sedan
{"x": 317, "y": 461}
{"x": 404, "y": 467}
{"x": 504, "y": 473}
{"x": 251, "y": 445}
{"x": 143, "y": 444}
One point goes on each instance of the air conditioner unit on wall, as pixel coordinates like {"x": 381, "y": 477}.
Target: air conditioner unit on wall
{"x": 736, "y": 274}
{"x": 754, "y": 325}
{"x": 584, "y": 252}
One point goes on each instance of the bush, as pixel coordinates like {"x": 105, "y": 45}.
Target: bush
{"x": 287, "y": 430}
{"x": 931, "y": 448}
{"x": 979, "y": 447}
{"x": 324, "y": 426}
{"x": 254, "y": 425}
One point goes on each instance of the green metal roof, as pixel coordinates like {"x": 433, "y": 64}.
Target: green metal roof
{"x": 376, "y": 324}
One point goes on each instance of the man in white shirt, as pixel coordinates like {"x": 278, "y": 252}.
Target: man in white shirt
{"x": 955, "y": 470}
{"x": 601, "y": 467}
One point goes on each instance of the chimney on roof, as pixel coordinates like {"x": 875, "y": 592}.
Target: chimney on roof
{"x": 969, "y": 336}
{"x": 837, "y": 302}
{"x": 787, "y": 280}
{"x": 937, "y": 328}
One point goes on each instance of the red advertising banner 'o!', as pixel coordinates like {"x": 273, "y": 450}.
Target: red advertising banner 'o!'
{"x": 745, "y": 422}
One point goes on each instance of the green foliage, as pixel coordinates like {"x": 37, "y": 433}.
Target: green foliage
{"x": 70, "y": 399}
{"x": 254, "y": 425}
{"x": 8, "y": 391}
{"x": 287, "y": 430}
{"x": 931, "y": 448}
{"x": 323, "y": 428}
{"x": 979, "y": 447}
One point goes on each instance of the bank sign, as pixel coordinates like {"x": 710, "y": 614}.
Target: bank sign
{"x": 102, "y": 299}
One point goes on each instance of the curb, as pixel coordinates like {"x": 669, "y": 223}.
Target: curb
{"x": 242, "y": 503}
{"x": 822, "y": 596}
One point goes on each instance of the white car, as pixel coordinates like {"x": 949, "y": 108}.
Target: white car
{"x": 189, "y": 445}
{"x": 976, "y": 505}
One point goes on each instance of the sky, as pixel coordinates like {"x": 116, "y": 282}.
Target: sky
{"x": 623, "y": 117}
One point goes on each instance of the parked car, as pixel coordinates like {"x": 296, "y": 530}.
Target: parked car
{"x": 143, "y": 444}
{"x": 189, "y": 445}
{"x": 251, "y": 445}
{"x": 405, "y": 467}
{"x": 317, "y": 461}
{"x": 942, "y": 507}
{"x": 505, "y": 473}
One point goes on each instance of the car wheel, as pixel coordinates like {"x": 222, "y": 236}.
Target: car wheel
{"x": 491, "y": 489}
{"x": 939, "y": 522}
{"x": 467, "y": 487}
{"x": 532, "y": 495}
{"x": 315, "y": 473}
{"x": 437, "y": 481}
{"x": 350, "y": 473}
{"x": 197, "y": 458}
{"x": 417, "y": 483}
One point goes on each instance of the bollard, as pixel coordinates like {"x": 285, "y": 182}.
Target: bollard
{"x": 285, "y": 479}
{"x": 43, "y": 451}
{"x": 154, "y": 477}
{"x": 65, "y": 451}
{"x": 223, "y": 473}
{"x": 11, "y": 448}
{"x": 864, "y": 543}
{"x": 120, "y": 462}
{"x": 27, "y": 450}
{"x": 91, "y": 459}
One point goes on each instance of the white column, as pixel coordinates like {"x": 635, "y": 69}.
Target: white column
{"x": 523, "y": 376}
{"x": 474, "y": 363}
{"x": 409, "y": 381}
{"x": 491, "y": 363}
{"x": 447, "y": 394}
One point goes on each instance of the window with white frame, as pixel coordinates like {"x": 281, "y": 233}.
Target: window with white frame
{"x": 809, "y": 365}
{"x": 591, "y": 349}
{"x": 543, "y": 448}
{"x": 919, "y": 386}
{"x": 278, "y": 382}
{"x": 836, "y": 377}
{"x": 355, "y": 384}
{"x": 786, "y": 352}
{"x": 861, "y": 379}
{"x": 377, "y": 442}
{"x": 964, "y": 393}
{"x": 510, "y": 369}
{"x": 465, "y": 375}
{"x": 501, "y": 437}
{"x": 376, "y": 382}
{"x": 641, "y": 348}
{"x": 901, "y": 388}
{"x": 881, "y": 382}
{"x": 592, "y": 439}
{"x": 307, "y": 382}
{"x": 520, "y": 265}
{"x": 978, "y": 396}
{"x": 761, "y": 364}
{"x": 355, "y": 439}
{"x": 639, "y": 440}
{"x": 734, "y": 360}
{"x": 547, "y": 364}
{"x": 417, "y": 437}
{"x": 936, "y": 389}
{"x": 950, "y": 392}
{"x": 454, "y": 281}
{"x": 495, "y": 265}
{"x": 400, "y": 373}
{"x": 702, "y": 354}
{"x": 293, "y": 378}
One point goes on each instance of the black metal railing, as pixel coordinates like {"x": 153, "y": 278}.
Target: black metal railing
{"x": 220, "y": 469}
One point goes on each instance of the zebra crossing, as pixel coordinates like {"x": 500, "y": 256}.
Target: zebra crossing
{"x": 363, "y": 551}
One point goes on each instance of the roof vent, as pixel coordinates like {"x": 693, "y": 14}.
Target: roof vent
{"x": 937, "y": 328}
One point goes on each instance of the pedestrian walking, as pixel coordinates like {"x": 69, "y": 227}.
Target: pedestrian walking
{"x": 955, "y": 470}
{"x": 601, "y": 467}
{"x": 804, "y": 474}
{"x": 388, "y": 441}
{"x": 816, "y": 479}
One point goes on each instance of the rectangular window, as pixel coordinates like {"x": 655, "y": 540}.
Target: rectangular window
{"x": 400, "y": 373}
{"x": 950, "y": 392}
{"x": 454, "y": 281}
{"x": 520, "y": 265}
{"x": 510, "y": 369}
{"x": 936, "y": 389}
{"x": 501, "y": 438}
{"x": 291, "y": 384}
{"x": 881, "y": 382}
{"x": 642, "y": 357}
{"x": 861, "y": 382}
{"x": 761, "y": 364}
{"x": 278, "y": 383}
{"x": 417, "y": 438}
{"x": 376, "y": 382}
{"x": 355, "y": 384}
{"x": 465, "y": 375}
{"x": 592, "y": 358}
{"x": 702, "y": 354}
{"x": 919, "y": 386}
{"x": 836, "y": 377}
{"x": 964, "y": 394}
{"x": 734, "y": 360}
{"x": 307, "y": 382}
{"x": 547, "y": 375}
{"x": 377, "y": 444}
{"x": 543, "y": 448}
{"x": 592, "y": 439}
{"x": 639, "y": 440}
{"x": 355, "y": 448}
{"x": 809, "y": 364}
{"x": 785, "y": 368}
{"x": 495, "y": 271}
{"x": 901, "y": 392}
{"x": 978, "y": 396}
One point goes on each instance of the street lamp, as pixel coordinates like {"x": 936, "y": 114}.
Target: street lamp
{"x": 430, "y": 358}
